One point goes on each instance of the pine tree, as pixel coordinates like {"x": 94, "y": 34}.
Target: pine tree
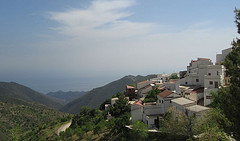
{"x": 228, "y": 98}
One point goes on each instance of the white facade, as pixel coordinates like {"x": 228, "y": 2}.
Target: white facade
{"x": 143, "y": 84}
{"x": 165, "y": 102}
{"x": 220, "y": 57}
{"x": 212, "y": 81}
{"x": 143, "y": 91}
{"x": 150, "y": 113}
{"x": 197, "y": 110}
{"x": 113, "y": 100}
{"x": 182, "y": 103}
{"x": 163, "y": 77}
{"x": 137, "y": 111}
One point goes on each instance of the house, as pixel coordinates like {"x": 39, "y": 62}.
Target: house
{"x": 164, "y": 100}
{"x": 137, "y": 111}
{"x": 143, "y": 84}
{"x": 182, "y": 103}
{"x": 194, "y": 93}
{"x": 151, "y": 112}
{"x": 171, "y": 84}
{"x": 130, "y": 92}
{"x": 220, "y": 57}
{"x": 144, "y": 90}
{"x": 163, "y": 77}
{"x": 197, "y": 110}
{"x": 214, "y": 78}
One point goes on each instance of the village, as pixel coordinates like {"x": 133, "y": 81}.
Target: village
{"x": 189, "y": 90}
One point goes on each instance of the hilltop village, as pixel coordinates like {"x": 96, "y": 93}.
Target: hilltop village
{"x": 189, "y": 91}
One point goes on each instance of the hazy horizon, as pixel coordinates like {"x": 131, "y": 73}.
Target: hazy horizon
{"x": 79, "y": 45}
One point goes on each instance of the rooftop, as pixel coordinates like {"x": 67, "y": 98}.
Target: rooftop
{"x": 165, "y": 93}
{"x": 130, "y": 87}
{"x": 137, "y": 103}
{"x": 198, "y": 90}
{"x": 197, "y": 108}
{"x": 182, "y": 101}
{"x": 143, "y": 82}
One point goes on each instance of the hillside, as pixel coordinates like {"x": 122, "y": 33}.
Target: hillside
{"x": 98, "y": 95}
{"x": 66, "y": 96}
{"x": 18, "y": 119}
{"x": 24, "y": 93}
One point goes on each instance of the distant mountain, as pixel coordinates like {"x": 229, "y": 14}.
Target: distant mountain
{"x": 98, "y": 95}
{"x": 66, "y": 96}
{"x": 18, "y": 118}
{"x": 24, "y": 93}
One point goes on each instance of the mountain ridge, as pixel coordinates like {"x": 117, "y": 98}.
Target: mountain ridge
{"x": 98, "y": 95}
{"x": 15, "y": 90}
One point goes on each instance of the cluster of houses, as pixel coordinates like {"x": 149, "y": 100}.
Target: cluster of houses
{"x": 192, "y": 92}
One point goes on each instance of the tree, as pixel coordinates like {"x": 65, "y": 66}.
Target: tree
{"x": 179, "y": 124}
{"x": 152, "y": 95}
{"x": 212, "y": 125}
{"x": 139, "y": 131}
{"x": 120, "y": 107}
{"x": 173, "y": 77}
{"x": 99, "y": 128}
{"x": 228, "y": 98}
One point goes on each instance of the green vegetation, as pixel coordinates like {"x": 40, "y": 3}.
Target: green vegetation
{"x": 18, "y": 91}
{"x": 152, "y": 95}
{"x": 21, "y": 120}
{"x": 227, "y": 98}
{"x": 98, "y": 95}
{"x": 173, "y": 77}
{"x": 139, "y": 131}
{"x": 66, "y": 97}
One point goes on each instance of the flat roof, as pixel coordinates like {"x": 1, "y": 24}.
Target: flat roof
{"x": 182, "y": 101}
{"x": 197, "y": 108}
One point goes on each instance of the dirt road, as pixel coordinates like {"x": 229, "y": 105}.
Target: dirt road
{"x": 63, "y": 127}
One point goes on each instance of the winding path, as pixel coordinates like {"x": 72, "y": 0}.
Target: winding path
{"x": 63, "y": 127}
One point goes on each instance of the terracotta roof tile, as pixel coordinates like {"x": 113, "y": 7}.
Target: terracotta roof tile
{"x": 130, "y": 87}
{"x": 165, "y": 93}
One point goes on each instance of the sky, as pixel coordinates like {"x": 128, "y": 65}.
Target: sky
{"x": 79, "y": 45}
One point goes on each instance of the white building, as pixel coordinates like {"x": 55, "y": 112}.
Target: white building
{"x": 212, "y": 81}
{"x": 113, "y": 100}
{"x": 220, "y": 57}
{"x": 164, "y": 100}
{"x": 151, "y": 112}
{"x": 197, "y": 110}
{"x": 137, "y": 111}
{"x": 181, "y": 103}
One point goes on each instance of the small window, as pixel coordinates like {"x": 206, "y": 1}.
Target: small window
{"x": 209, "y": 73}
{"x": 210, "y": 82}
{"x": 217, "y": 72}
{"x": 170, "y": 101}
{"x": 197, "y": 80}
{"x": 162, "y": 101}
{"x": 185, "y": 82}
{"x": 208, "y": 97}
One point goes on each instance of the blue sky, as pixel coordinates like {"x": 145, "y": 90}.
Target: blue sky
{"x": 78, "y": 44}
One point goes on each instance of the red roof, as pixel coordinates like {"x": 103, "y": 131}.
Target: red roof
{"x": 198, "y": 90}
{"x": 138, "y": 103}
{"x": 143, "y": 82}
{"x": 165, "y": 93}
{"x": 130, "y": 87}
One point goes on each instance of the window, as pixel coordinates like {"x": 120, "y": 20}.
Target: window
{"x": 162, "y": 101}
{"x": 197, "y": 80}
{"x": 209, "y": 97}
{"x": 217, "y": 72}
{"x": 170, "y": 101}
{"x": 216, "y": 84}
{"x": 210, "y": 82}
{"x": 209, "y": 73}
{"x": 185, "y": 82}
